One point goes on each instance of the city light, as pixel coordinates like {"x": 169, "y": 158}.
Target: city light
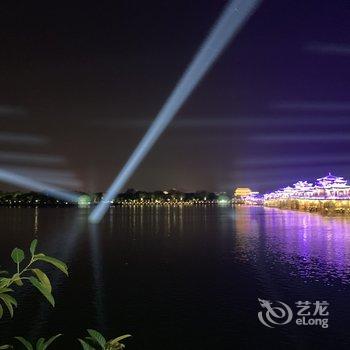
{"x": 227, "y": 26}
{"x": 223, "y": 200}
{"x": 84, "y": 201}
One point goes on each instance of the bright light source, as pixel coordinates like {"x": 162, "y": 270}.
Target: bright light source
{"x": 84, "y": 201}
{"x": 223, "y": 199}
{"x": 231, "y": 20}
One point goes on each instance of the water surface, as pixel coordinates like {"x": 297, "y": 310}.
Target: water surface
{"x": 183, "y": 277}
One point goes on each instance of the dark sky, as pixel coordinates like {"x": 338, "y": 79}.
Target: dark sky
{"x": 87, "y": 78}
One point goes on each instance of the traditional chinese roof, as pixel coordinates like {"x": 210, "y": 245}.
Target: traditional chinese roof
{"x": 330, "y": 178}
{"x": 303, "y": 188}
{"x": 303, "y": 185}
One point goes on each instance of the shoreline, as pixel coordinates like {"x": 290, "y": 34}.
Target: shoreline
{"x": 164, "y": 204}
{"x": 336, "y": 207}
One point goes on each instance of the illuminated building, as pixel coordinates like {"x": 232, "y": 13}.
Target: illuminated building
{"x": 247, "y": 196}
{"x": 329, "y": 187}
{"x": 242, "y": 192}
{"x": 332, "y": 186}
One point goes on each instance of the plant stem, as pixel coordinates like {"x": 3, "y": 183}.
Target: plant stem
{"x": 20, "y": 273}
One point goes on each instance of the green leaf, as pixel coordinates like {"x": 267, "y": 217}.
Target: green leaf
{"x": 50, "y": 341}
{"x": 5, "y": 290}
{"x": 115, "y": 346}
{"x": 98, "y": 337}
{"x": 33, "y": 246}
{"x": 1, "y": 311}
{"x": 43, "y": 279}
{"x": 25, "y": 343}
{"x": 17, "y": 255}
{"x": 6, "y": 347}
{"x": 18, "y": 282}
{"x": 42, "y": 289}
{"x": 9, "y": 301}
{"x": 17, "y": 279}
{"x": 115, "y": 343}
{"x": 120, "y": 338}
{"x": 85, "y": 345}
{"x": 5, "y": 282}
{"x": 40, "y": 344}
{"x": 53, "y": 261}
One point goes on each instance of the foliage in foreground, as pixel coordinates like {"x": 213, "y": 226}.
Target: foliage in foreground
{"x": 28, "y": 273}
{"x": 40, "y": 281}
{"x": 97, "y": 339}
{"x": 41, "y": 344}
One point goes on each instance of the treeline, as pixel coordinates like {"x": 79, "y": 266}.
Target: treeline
{"x": 37, "y": 199}
{"x": 161, "y": 196}
{"x": 29, "y": 199}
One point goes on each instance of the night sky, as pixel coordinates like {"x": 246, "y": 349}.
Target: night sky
{"x": 81, "y": 82}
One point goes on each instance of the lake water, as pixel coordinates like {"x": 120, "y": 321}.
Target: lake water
{"x": 183, "y": 277}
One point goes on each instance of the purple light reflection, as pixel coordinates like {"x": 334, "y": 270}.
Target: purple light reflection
{"x": 312, "y": 246}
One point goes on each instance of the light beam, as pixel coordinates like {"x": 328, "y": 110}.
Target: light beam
{"x": 17, "y": 157}
{"x": 25, "y": 182}
{"x": 227, "y": 26}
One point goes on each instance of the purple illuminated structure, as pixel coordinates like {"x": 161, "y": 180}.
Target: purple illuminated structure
{"x": 328, "y": 187}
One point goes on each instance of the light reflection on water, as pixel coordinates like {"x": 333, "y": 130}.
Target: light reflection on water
{"x": 315, "y": 247}
{"x": 189, "y": 274}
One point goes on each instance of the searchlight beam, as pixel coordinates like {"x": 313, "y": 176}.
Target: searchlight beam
{"x": 25, "y": 182}
{"x": 235, "y": 14}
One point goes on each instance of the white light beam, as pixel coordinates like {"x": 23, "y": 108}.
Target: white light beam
{"x": 227, "y": 26}
{"x": 22, "y": 181}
